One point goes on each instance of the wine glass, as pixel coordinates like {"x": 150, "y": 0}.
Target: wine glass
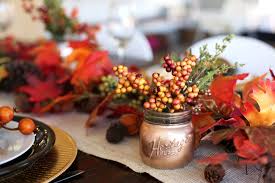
{"x": 121, "y": 25}
{"x": 6, "y": 14}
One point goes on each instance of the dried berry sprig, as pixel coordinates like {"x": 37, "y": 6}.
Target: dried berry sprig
{"x": 163, "y": 95}
{"x": 190, "y": 77}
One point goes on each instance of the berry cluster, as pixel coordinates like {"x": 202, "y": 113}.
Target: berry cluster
{"x": 180, "y": 70}
{"x": 164, "y": 95}
{"x": 128, "y": 82}
{"x": 108, "y": 84}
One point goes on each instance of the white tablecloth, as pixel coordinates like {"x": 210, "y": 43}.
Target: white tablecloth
{"x": 93, "y": 142}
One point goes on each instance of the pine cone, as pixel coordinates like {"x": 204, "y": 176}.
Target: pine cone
{"x": 116, "y": 133}
{"x": 214, "y": 173}
{"x": 17, "y": 73}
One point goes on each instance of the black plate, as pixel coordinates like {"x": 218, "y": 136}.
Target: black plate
{"x": 43, "y": 143}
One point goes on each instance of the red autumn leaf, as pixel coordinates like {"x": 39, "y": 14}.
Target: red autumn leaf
{"x": 246, "y": 148}
{"x": 203, "y": 122}
{"x": 223, "y": 88}
{"x": 40, "y": 90}
{"x": 100, "y": 107}
{"x": 81, "y": 44}
{"x": 206, "y": 122}
{"x": 44, "y": 46}
{"x": 93, "y": 68}
{"x": 263, "y": 93}
{"x": 224, "y": 134}
{"x": 263, "y": 160}
{"x": 214, "y": 159}
{"x": 264, "y": 136}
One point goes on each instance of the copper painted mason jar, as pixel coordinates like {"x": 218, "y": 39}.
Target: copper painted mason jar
{"x": 166, "y": 139}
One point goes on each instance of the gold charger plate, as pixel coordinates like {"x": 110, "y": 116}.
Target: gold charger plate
{"x": 53, "y": 164}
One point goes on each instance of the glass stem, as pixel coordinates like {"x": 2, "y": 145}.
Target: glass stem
{"x": 121, "y": 52}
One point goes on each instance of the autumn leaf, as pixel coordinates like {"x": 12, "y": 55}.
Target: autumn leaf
{"x": 201, "y": 123}
{"x": 264, "y": 94}
{"x": 246, "y": 148}
{"x": 223, "y": 88}
{"x": 93, "y": 68}
{"x": 78, "y": 56}
{"x": 76, "y": 44}
{"x": 264, "y": 136}
{"x": 47, "y": 56}
{"x": 224, "y": 134}
{"x": 248, "y": 87}
{"x": 214, "y": 159}
{"x": 40, "y": 90}
{"x": 132, "y": 122}
{"x": 100, "y": 107}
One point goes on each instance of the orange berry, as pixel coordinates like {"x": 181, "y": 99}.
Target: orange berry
{"x": 176, "y": 101}
{"x": 152, "y": 100}
{"x": 6, "y": 114}
{"x": 153, "y": 105}
{"x": 177, "y": 107}
{"x": 159, "y": 110}
{"x": 26, "y": 126}
{"x": 193, "y": 58}
{"x": 146, "y": 105}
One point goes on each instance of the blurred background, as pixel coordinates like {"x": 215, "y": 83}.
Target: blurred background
{"x": 165, "y": 25}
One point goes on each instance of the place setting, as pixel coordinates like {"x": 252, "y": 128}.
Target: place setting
{"x": 30, "y": 147}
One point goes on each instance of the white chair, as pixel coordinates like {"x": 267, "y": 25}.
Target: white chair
{"x": 257, "y": 56}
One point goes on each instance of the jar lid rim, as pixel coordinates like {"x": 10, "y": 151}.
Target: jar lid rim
{"x": 161, "y": 118}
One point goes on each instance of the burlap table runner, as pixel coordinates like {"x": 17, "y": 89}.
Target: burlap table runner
{"x": 93, "y": 141}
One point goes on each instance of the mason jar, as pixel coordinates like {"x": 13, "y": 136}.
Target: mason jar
{"x": 166, "y": 139}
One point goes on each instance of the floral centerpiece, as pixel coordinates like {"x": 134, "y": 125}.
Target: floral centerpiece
{"x": 56, "y": 21}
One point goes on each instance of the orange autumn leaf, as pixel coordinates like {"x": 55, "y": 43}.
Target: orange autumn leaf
{"x": 79, "y": 55}
{"x": 44, "y": 46}
{"x": 131, "y": 122}
{"x": 223, "y": 88}
{"x": 264, "y": 94}
{"x": 93, "y": 68}
{"x": 246, "y": 148}
{"x": 248, "y": 86}
{"x": 203, "y": 122}
{"x": 46, "y": 55}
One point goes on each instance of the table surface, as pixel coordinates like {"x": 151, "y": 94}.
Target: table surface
{"x": 98, "y": 170}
